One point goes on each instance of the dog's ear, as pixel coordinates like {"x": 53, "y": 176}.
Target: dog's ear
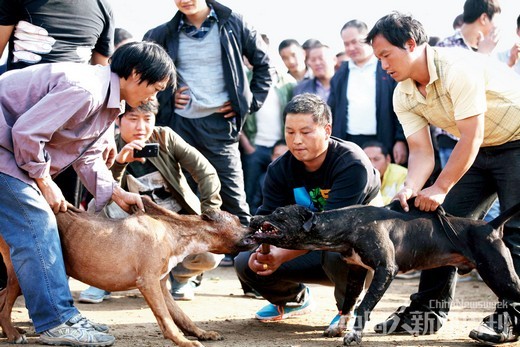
{"x": 310, "y": 220}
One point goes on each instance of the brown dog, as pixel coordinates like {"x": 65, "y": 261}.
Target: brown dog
{"x": 136, "y": 252}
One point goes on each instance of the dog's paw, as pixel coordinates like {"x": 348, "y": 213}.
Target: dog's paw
{"x": 354, "y": 336}
{"x": 210, "y": 336}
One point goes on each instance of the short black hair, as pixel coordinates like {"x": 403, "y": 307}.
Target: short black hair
{"x": 473, "y": 9}
{"x": 312, "y": 104}
{"x": 287, "y": 43}
{"x": 397, "y": 28}
{"x": 151, "y": 106}
{"x": 355, "y": 23}
{"x": 149, "y": 60}
{"x": 377, "y": 144}
{"x": 121, "y": 35}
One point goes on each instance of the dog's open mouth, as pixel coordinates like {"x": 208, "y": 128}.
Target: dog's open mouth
{"x": 267, "y": 230}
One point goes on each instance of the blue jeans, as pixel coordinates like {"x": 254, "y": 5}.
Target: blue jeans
{"x": 29, "y": 227}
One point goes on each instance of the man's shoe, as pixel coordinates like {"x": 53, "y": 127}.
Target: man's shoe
{"x": 276, "y": 312}
{"x": 183, "y": 291}
{"x": 77, "y": 331}
{"x": 495, "y": 329}
{"x": 93, "y": 295}
{"x": 411, "y": 321}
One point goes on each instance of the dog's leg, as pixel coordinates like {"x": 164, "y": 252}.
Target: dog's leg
{"x": 183, "y": 321}
{"x": 153, "y": 294}
{"x": 354, "y": 287}
{"x": 8, "y": 297}
{"x": 383, "y": 276}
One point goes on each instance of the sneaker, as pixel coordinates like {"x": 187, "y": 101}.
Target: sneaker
{"x": 77, "y": 331}
{"x": 276, "y": 312}
{"x": 495, "y": 329}
{"x": 93, "y": 295}
{"x": 409, "y": 275}
{"x": 183, "y": 291}
{"x": 411, "y": 321}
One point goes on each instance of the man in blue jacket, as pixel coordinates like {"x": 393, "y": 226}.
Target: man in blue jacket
{"x": 207, "y": 42}
{"x": 365, "y": 112}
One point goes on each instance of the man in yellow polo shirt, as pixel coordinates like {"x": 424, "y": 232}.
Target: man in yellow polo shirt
{"x": 477, "y": 100}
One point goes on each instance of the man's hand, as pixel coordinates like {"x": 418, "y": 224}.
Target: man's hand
{"x": 430, "y": 198}
{"x": 126, "y": 154}
{"x": 403, "y": 195}
{"x": 52, "y": 194}
{"x": 31, "y": 41}
{"x": 181, "y": 97}
{"x": 126, "y": 200}
{"x": 514, "y": 55}
{"x": 265, "y": 264}
{"x": 400, "y": 152}
{"x": 227, "y": 110}
{"x": 109, "y": 154}
{"x": 487, "y": 43}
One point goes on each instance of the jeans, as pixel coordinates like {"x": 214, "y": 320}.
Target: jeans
{"x": 496, "y": 171}
{"x": 286, "y": 283}
{"x": 29, "y": 227}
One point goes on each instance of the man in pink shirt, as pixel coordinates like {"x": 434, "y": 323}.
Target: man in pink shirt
{"x": 53, "y": 116}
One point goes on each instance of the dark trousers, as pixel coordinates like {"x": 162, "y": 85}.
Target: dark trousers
{"x": 286, "y": 283}
{"x": 496, "y": 171}
{"x": 256, "y": 164}
{"x": 217, "y": 139}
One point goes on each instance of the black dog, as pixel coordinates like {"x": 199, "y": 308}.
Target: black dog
{"x": 390, "y": 241}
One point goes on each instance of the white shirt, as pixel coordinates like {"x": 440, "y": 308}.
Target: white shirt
{"x": 361, "y": 96}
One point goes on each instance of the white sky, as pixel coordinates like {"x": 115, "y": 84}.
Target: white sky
{"x": 303, "y": 19}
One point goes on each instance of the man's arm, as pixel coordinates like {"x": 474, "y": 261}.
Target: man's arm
{"x": 463, "y": 155}
{"x": 98, "y": 58}
{"x": 421, "y": 161}
{"x": 5, "y": 34}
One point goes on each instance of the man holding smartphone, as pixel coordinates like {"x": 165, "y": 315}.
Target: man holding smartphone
{"x": 159, "y": 175}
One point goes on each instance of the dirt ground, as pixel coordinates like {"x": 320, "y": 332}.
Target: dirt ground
{"x": 219, "y": 305}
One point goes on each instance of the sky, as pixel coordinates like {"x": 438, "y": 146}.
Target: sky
{"x": 322, "y": 19}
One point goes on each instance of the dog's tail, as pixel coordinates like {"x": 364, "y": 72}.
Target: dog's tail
{"x": 505, "y": 216}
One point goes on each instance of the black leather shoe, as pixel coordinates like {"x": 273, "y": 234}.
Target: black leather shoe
{"x": 407, "y": 320}
{"x": 495, "y": 329}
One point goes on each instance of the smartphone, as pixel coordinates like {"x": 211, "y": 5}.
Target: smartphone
{"x": 149, "y": 150}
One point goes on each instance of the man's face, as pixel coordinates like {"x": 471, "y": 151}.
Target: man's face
{"x": 322, "y": 62}
{"x": 307, "y": 141}
{"x": 294, "y": 58}
{"x": 136, "y": 92}
{"x": 191, "y": 7}
{"x": 136, "y": 125}
{"x": 378, "y": 159}
{"x": 394, "y": 60}
{"x": 355, "y": 47}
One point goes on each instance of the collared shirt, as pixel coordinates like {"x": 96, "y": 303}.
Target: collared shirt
{"x": 462, "y": 85}
{"x": 192, "y": 31}
{"x": 55, "y": 115}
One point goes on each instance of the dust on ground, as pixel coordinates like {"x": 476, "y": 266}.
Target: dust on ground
{"x": 219, "y": 305}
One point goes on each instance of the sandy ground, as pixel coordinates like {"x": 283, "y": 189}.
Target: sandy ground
{"x": 219, "y": 305}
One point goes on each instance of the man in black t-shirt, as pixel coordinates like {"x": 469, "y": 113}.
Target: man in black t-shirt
{"x": 321, "y": 173}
